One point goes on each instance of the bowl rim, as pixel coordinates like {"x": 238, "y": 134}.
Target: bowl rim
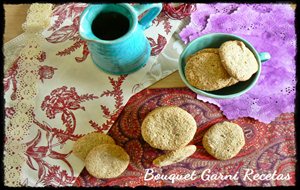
{"x": 207, "y": 93}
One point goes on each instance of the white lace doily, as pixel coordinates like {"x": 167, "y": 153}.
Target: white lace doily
{"x": 16, "y": 130}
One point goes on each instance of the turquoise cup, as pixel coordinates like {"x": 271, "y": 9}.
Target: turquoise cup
{"x": 127, "y": 53}
{"x": 214, "y": 40}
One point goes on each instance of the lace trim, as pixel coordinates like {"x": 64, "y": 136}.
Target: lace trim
{"x": 12, "y": 50}
{"x": 17, "y": 128}
{"x": 38, "y": 17}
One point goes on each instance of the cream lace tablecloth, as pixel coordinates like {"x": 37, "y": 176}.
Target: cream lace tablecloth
{"x": 54, "y": 94}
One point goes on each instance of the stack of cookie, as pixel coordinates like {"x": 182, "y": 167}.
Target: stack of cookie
{"x": 102, "y": 157}
{"x": 170, "y": 128}
{"x": 215, "y": 68}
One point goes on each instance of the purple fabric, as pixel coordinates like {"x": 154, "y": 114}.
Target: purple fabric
{"x": 270, "y": 28}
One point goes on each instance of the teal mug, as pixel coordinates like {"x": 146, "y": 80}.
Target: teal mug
{"x": 214, "y": 40}
{"x": 115, "y": 35}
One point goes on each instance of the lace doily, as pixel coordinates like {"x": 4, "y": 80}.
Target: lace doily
{"x": 38, "y": 18}
{"x": 270, "y": 28}
{"x": 17, "y": 127}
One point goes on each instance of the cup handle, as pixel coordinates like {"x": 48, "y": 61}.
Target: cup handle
{"x": 264, "y": 56}
{"x": 154, "y": 10}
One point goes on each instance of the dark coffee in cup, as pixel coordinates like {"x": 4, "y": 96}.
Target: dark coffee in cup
{"x": 110, "y": 25}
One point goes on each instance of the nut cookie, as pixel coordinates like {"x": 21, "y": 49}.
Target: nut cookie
{"x": 232, "y": 82}
{"x": 224, "y": 140}
{"x": 107, "y": 161}
{"x": 238, "y": 60}
{"x": 86, "y": 143}
{"x": 175, "y": 156}
{"x": 205, "y": 71}
{"x": 168, "y": 128}
{"x": 206, "y": 50}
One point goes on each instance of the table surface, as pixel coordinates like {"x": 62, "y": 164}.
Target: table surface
{"x": 15, "y": 16}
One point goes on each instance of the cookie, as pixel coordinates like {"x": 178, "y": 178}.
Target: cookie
{"x": 204, "y": 71}
{"x": 238, "y": 60}
{"x": 107, "y": 161}
{"x": 232, "y": 82}
{"x": 168, "y": 128}
{"x": 175, "y": 156}
{"x": 84, "y": 144}
{"x": 224, "y": 140}
{"x": 209, "y": 50}
{"x": 206, "y": 50}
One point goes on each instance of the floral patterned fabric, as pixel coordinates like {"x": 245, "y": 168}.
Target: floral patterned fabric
{"x": 269, "y": 148}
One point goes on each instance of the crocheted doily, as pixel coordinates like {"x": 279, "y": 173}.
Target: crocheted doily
{"x": 17, "y": 126}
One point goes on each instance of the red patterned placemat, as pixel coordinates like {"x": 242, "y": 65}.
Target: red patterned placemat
{"x": 267, "y": 159}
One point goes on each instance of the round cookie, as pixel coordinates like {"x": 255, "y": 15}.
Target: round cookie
{"x": 209, "y": 50}
{"x": 86, "y": 143}
{"x": 224, "y": 140}
{"x": 175, "y": 156}
{"x": 232, "y": 82}
{"x": 107, "y": 161}
{"x": 238, "y": 60}
{"x": 168, "y": 128}
{"x": 204, "y": 71}
{"x": 206, "y": 50}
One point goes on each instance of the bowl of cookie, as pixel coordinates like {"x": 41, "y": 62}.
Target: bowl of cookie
{"x": 220, "y": 65}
